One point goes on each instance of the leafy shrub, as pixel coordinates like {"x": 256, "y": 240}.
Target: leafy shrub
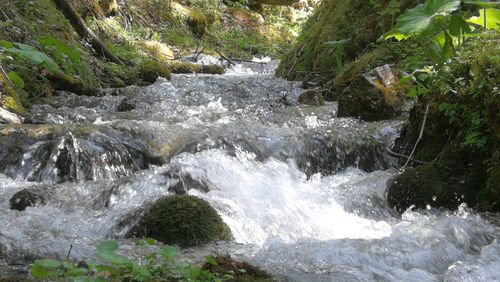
{"x": 160, "y": 265}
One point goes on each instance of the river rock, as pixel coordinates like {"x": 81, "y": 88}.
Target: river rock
{"x": 125, "y": 105}
{"x": 312, "y": 98}
{"x": 428, "y": 185}
{"x": 9, "y": 118}
{"x": 26, "y": 198}
{"x": 182, "y": 220}
{"x": 374, "y": 95}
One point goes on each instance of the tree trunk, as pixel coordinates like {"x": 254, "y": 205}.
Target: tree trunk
{"x": 82, "y": 30}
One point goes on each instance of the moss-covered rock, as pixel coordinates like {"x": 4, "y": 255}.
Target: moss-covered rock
{"x": 149, "y": 70}
{"x": 182, "y": 220}
{"x": 26, "y": 198}
{"x": 432, "y": 185}
{"x": 64, "y": 82}
{"x": 241, "y": 271}
{"x": 312, "y": 98}
{"x": 374, "y": 95}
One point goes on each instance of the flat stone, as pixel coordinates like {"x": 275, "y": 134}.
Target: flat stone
{"x": 7, "y": 117}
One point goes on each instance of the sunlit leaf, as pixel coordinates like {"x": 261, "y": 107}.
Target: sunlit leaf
{"x": 492, "y": 19}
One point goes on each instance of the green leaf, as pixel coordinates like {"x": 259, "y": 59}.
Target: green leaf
{"x": 16, "y": 79}
{"x": 48, "y": 263}
{"x": 107, "y": 246}
{"x": 61, "y": 47}
{"x": 150, "y": 241}
{"x": 458, "y": 26}
{"x": 140, "y": 272}
{"x": 492, "y": 19}
{"x": 422, "y": 17}
{"x": 169, "y": 252}
{"x": 31, "y": 54}
{"x": 483, "y": 3}
{"x": 107, "y": 249}
{"x": 211, "y": 261}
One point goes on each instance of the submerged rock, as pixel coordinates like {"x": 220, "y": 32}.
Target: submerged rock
{"x": 26, "y": 198}
{"x": 428, "y": 185}
{"x": 182, "y": 220}
{"x": 374, "y": 95}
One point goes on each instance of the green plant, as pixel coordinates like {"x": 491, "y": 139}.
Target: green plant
{"x": 30, "y": 54}
{"x": 440, "y": 26}
{"x": 160, "y": 265}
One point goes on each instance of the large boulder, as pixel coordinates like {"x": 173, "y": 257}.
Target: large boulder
{"x": 182, "y": 220}
{"x": 8, "y": 117}
{"x": 374, "y": 95}
{"x": 432, "y": 185}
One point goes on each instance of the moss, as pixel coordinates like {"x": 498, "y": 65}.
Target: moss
{"x": 197, "y": 22}
{"x": 120, "y": 76}
{"x": 182, "y": 220}
{"x": 64, "y": 82}
{"x": 149, "y": 70}
{"x": 241, "y": 271}
{"x": 186, "y": 67}
{"x": 13, "y": 99}
{"x": 354, "y": 25}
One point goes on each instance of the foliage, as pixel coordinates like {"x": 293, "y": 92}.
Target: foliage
{"x": 30, "y": 54}
{"x": 159, "y": 265}
{"x": 436, "y": 25}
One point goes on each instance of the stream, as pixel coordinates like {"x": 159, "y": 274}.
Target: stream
{"x": 302, "y": 190}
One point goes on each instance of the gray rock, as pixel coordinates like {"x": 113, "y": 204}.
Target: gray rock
{"x": 7, "y": 117}
{"x": 374, "y": 95}
{"x": 312, "y": 98}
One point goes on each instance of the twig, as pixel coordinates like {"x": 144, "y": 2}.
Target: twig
{"x": 199, "y": 53}
{"x": 405, "y": 156}
{"x": 7, "y": 76}
{"x": 225, "y": 58}
{"x": 69, "y": 252}
{"x": 297, "y": 56}
{"x": 419, "y": 136}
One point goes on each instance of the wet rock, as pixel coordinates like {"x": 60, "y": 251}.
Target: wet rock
{"x": 125, "y": 106}
{"x": 241, "y": 271}
{"x": 26, "y": 198}
{"x": 428, "y": 185}
{"x": 374, "y": 95}
{"x": 182, "y": 220}
{"x": 9, "y": 117}
{"x": 312, "y": 98}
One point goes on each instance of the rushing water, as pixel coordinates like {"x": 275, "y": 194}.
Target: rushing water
{"x": 302, "y": 190}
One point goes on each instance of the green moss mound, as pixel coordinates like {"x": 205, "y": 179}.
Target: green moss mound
{"x": 150, "y": 70}
{"x": 182, "y": 220}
